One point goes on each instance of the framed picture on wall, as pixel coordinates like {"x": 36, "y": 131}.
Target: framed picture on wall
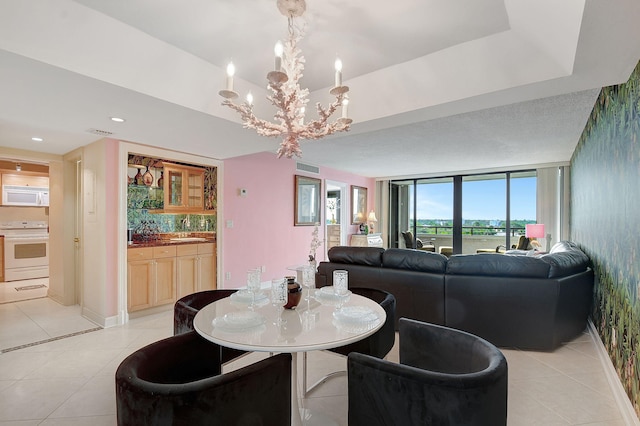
{"x": 307, "y": 201}
{"x": 358, "y": 205}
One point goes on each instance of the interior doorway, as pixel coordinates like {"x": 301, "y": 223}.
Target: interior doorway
{"x": 336, "y": 211}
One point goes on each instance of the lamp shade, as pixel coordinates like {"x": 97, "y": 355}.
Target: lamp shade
{"x": 372, "y": 216}
{"x": 535, "y": 230}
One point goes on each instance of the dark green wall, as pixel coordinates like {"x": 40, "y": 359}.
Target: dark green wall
{"x": 605, "y": 222}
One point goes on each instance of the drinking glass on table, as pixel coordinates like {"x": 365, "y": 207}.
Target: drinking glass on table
{"x": 279, "y": 297}
{"x": 253, "y": 284}
{"x": 340, "y": 286}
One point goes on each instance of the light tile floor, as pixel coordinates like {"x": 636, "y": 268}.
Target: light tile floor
{"x": 70, "y": 381}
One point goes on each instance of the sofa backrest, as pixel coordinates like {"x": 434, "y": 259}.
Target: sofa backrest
{"x": 565, "y": 259}
{"x": 563, "y": 263}
{"x": 414, "y": 260}
{"x": 497, "y": 265}
{"x": 368, "y": 256}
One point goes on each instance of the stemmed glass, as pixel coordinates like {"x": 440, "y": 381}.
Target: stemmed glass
{"x": 253, "y": 284}
{"x": 308, "y": 281}
{"x": 279, "y": 295}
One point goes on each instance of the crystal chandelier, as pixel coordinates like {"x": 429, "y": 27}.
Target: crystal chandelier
{"x": 287, "y": 96}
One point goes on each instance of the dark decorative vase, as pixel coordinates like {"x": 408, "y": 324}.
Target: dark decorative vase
{"x": 295, "y": 293}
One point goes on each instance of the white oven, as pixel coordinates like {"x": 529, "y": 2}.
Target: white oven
{"x": 26, "y": 250}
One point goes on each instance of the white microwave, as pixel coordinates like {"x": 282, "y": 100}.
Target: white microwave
{"x": 15, "y": 195}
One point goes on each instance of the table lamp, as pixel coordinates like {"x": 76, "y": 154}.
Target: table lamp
{"x": 371, "y": 218}
{"x": 533, "y": 231}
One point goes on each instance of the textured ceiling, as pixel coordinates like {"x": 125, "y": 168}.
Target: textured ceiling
{"x": 436, "y": 85}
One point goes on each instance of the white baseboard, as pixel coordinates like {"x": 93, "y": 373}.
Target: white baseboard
{"x": 624, "y": 404}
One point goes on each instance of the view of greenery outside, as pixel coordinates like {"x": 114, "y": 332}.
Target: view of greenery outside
{"x": 469, "y": 227}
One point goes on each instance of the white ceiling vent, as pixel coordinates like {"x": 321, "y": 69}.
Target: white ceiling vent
{"x": 99, "y": 132}
{"x": 307, "y": 168}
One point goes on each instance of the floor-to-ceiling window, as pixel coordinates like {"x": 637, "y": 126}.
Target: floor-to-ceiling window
{"x": 463, "y": 214}
{"x": 484, "y": 212}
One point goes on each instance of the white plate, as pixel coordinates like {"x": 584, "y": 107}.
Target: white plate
{"x": 355, "y": 315}
{"x": 243, "y": 296}
{"x": 239, "y": 321}
{"x": 327, "y": 293}
{"x": 355, "y": 327}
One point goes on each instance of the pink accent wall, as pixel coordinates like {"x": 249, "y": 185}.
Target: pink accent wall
{"x": 263, "y": 232}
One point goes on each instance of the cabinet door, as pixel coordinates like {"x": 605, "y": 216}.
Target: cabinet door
{"x": 207, "y": 272}
{"x": 140, "y": 275}
{"x": 194, "y": 189}
{"x": 165, "y": 282}
{"x": 186, "y": 274}
{"x": 173, "y": 181}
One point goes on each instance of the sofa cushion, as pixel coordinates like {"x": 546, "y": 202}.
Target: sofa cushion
{"x": 369, "y": 256}
{"x": 563, "y": 263}
{"x": 497, "y": 265}
{"x": 561, "y": 246}
{"x": 414, "y": 260}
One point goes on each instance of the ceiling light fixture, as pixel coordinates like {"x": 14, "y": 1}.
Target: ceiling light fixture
{"x": 18, "y": 167}
{"x": 288, "y": 97}
{"x": 37, "y": 139}
{"x": 117, "y": 119}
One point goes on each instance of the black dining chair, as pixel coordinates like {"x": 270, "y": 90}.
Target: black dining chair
{"x": 186, "y": 308}
{"x": 377, "y": 345}
{"x": 178, "y": 381}
{"x": 445, "y": 377}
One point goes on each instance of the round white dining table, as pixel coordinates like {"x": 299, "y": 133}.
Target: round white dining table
{"x": 315, "y": 324}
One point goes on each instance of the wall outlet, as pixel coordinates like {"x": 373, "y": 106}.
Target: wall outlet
{"x": 242, "y": 192}
{"x": 227, "y": 276}
{"x": 230, "y": 224}
{"x": 263, "y": 269}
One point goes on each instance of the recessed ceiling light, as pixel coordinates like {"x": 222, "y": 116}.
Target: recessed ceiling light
{"x": 117, "y": 119}
{"x": 37, "y": 139}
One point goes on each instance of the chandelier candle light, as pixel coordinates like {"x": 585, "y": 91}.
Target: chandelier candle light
{"x": 287, "y": 96}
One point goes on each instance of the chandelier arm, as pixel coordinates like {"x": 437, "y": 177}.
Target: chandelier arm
{"x": 263, "y": 127}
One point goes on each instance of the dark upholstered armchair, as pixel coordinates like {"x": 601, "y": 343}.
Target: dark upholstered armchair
{"x": 186, "y": 308}
{"x": 177, "y": 381}
{"x": 377, "y": 345}
{"x": 445, "y": 377}
{"x": 408, "y": 242}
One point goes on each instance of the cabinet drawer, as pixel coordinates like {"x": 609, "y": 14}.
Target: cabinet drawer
{"x": 187, "y": 249}
{"x": 164, "y": 251}
{"x": 206, "y": 248}
{"x": 144, "y": 253}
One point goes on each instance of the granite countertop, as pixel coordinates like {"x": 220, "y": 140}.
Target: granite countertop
{"x": 175, "y": 239}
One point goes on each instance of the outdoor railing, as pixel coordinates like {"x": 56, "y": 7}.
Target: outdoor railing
{"x": 468, "y": 230}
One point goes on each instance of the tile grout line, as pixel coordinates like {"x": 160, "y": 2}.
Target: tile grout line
{"x": 52, "y": 339}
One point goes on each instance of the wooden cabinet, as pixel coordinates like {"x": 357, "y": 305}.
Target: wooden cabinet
{"x": 196, "y": 266}
{"x": 151, "y": 277}
{"x": 140, "y": 275}
{"x": 183, "y": 188}
{"x": 333, "y": 236}
{"x": 163, "y": 274}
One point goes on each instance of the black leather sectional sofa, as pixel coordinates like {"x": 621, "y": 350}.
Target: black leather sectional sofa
{"x": 528, "y": 302}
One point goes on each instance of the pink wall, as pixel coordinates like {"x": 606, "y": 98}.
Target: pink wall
{"x": 263, "y": 231}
